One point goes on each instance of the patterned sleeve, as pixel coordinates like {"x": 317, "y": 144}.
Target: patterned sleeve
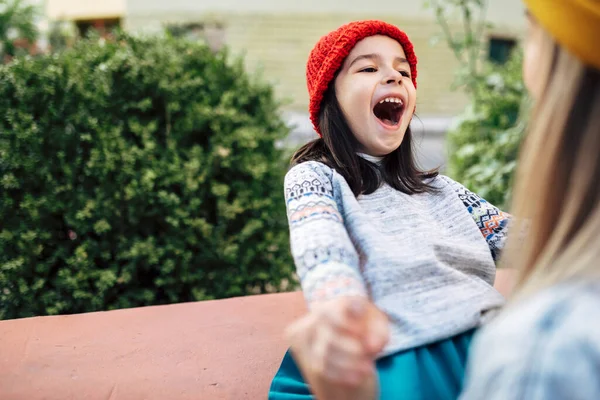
{"x": 491, "y": 221}
{"x": 326, "y": 260}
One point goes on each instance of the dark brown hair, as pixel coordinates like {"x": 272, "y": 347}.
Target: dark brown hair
{"x": 337, "y": 149}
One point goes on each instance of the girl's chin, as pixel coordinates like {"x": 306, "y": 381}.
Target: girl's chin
{"x": 383, "y": 149}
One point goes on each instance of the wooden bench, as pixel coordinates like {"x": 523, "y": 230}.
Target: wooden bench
{"x": 212, "y": 350}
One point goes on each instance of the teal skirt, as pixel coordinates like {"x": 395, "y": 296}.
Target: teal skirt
{"x": 431, "y": 372}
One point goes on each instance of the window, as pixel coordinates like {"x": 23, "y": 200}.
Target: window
{"x": 500, "y": 49}
{"x": 213, "y": 33}
{"x": 104, "y": 27}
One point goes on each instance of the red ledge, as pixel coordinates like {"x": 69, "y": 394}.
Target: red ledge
{"x": 212, "y": 350}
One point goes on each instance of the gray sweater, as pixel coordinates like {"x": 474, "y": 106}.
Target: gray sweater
{"x": 427, "y": 260}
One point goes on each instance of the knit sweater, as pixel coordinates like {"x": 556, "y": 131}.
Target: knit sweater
{"x": 426, "y": 260}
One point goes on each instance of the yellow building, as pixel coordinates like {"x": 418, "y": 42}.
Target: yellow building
{"x": 277, "y": 35}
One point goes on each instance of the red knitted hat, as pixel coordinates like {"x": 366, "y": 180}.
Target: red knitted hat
{"x": 329, "y": 53}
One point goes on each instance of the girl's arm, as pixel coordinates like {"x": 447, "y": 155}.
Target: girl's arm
{"x": 491, "y": 221}
{"x": 326, "y": 260}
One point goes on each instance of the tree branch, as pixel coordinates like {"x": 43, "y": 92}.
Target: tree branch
{"x": 446, "y": 29}
{"x": 482, "y": 14}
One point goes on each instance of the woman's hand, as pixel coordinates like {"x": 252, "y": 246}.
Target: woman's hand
{"x": 335, "y": 347}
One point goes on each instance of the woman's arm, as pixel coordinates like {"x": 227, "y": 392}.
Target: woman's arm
{"x": 328, "y": 346}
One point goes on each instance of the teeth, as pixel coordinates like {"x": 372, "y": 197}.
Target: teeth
{"x": 391, "y": 100}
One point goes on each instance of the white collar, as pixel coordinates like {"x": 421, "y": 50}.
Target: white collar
{"x": 373, "y": 159}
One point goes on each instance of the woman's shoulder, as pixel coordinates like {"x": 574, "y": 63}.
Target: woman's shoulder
{"x": 565, "y": 309}
{"x": 548, "y": 342}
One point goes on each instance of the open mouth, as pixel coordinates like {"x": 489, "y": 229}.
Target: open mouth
{"x": 389, "y": 111}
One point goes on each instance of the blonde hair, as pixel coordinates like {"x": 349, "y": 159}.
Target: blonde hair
{"x": 555, "y": 234}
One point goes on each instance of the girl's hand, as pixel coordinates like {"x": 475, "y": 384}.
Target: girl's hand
{"x": 335, "y": 347}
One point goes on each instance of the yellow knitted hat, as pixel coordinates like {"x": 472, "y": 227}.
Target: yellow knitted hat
{"x": 574, "y": 24}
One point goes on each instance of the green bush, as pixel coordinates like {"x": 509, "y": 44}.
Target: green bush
{"x": 485, "y": 139}
{"x": 134, "y": 172}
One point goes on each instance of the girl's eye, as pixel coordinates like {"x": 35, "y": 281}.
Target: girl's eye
{"x": 404, "y": 73}
{"x": 369, "y": 69}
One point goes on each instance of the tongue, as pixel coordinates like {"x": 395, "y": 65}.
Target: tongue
{"x": 388, "y": 113}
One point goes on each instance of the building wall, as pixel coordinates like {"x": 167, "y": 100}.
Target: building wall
{"x": 276, "y": 36}
{"x": 84, "y": 9}
{"x": 278, "y": 45}
{"x": 499, "y": 11}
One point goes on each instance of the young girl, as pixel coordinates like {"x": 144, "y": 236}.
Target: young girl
{"x": 366, "y": 223}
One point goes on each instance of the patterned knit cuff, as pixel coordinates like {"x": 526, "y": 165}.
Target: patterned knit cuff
{"x": 332, "y": 280}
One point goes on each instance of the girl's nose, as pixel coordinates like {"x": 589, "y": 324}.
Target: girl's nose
{"x": 392, "y": 77}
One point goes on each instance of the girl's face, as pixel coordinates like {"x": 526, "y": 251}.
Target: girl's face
{"x": 376, "y": 94}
